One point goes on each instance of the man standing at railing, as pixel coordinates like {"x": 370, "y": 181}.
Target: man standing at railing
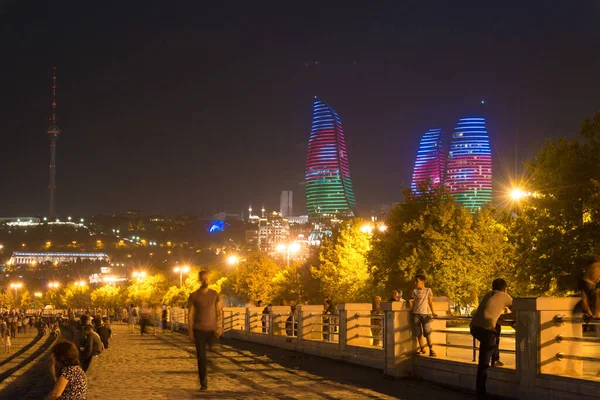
{"x": 483, "y": 328}
{"x": 204, "y": 322}
{"x": 420, "y": 300}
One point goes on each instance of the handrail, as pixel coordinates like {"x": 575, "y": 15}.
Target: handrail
{"x": 560, "y": 319}
{"x": 560, "y": 356}
{"x": 560, "y": 338}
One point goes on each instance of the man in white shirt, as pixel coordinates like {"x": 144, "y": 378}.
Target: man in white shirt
{"x": 483, "y": 328}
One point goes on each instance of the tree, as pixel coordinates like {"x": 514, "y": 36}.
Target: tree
{"x": 289, "y": 282}
{"x": 343, "y": 273}
{"x": 149, "y": 290}
{"x": 431, "y": 234}
{"x": 253, "y": 278}
{"x": 74, "y": 296}
{"x": 561, "y": 222}
{"x": 176, "y": 296}
{"x": 108, "y": 296}
{"x": 26, "y": 301}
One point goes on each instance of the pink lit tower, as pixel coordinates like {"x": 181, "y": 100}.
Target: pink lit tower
{"x": 53, "y": 134}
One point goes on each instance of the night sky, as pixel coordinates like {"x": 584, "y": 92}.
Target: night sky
{"x": 178, "y": 107}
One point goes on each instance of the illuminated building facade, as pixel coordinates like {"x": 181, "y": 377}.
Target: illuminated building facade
{"x": 469, "y": 174}
{"x": 28, "y": 258}
{"x": 328, "y": 189}
{"x": 431, "y": 160}
{"x": 272, "y": 230}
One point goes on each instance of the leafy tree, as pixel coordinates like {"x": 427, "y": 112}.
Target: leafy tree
{"x": 74, "y": 296}
{"x": 149, "y": 290}
{"x": 343, "y": 272}
{"x": 561, "y": 221}
{"x": 26, "y": 300}
{"x": 253, "y": 278}
{"x": 289, "y": 282}
{"x": 107, "y": 296}
{"x": 431, "y": 234}
{"x": 53, "y": 297}
{"x": 176, "y": 296}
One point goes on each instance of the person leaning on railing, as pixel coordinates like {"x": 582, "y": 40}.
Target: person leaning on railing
{"x": 376, "y": 320}
{"x": 483, "y": 328}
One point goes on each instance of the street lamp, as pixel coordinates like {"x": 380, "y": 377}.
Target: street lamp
{"x": 53, "y": 285}
{"x": 290, "y": 248}
{"x": 185, "y": 269}
{"x": 80, "y": 284}
{"x": 16, "y": 286}
{"x": 38, "y": 294}
{"x": 232, "y": 260}
{"x": 139, "y": 275}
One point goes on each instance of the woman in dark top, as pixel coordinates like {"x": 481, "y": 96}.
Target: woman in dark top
{"x": 69, "y": 379}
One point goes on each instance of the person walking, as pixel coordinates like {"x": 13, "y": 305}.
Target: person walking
{"x": 376, "y": 321}
{"x": 93, "y": 347}
{"x": 204, "y": 323}
{"x": 13, "y": 327}
{"x": 483, "y": 328}
{"x": 7, "y": 343}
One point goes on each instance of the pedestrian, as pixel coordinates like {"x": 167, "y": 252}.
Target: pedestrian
{"x": 483, "y": 328}
{"x": 328, "y": 320}
{"x": 13, "y": 327}
{"x": 7, "y": 342}
{"x": 69, "y": 378}
{"x": 420, "y": 301}
{"x": 163, "y": 318}
{"x": 93, "y": 347}
{"x": 131, "y": 316}
{"x": 376, "y": 320}
{"x": 395, "y": 296}
{"x": 104, "y": 333}
{"x": 265, "y": 317}
{"x": 291, "y": 323}
{"x": 205, "y": 324}
{"x": 589, "y": 287}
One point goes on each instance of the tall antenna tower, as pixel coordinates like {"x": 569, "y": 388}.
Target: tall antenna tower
{"x": 53, "y": 134}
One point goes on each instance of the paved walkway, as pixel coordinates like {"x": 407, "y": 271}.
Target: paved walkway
{"x": 164, "y": 367}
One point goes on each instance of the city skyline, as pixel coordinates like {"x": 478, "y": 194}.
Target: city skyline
{"x": 209, "y": 111}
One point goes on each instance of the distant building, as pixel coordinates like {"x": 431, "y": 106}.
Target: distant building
{"x": 285, "y": 204}
{"x": 431, "y": 160}
{"x": 272, "y": 230}
{"x": 225, "y": 216}
{"x": 15, "y": 221}
{"x": 469, "y": 175}
{"x": 300, "y": 219}
{"x": 28, "y": 258}
{"x": 329, "y": 193}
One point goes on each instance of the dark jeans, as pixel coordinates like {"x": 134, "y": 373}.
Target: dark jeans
{"x": 201, "y": 339}
{"x": 487, "y": 345}
{"x": 496, "y": 354}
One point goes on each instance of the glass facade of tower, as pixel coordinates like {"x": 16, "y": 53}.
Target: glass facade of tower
{"x": 431, "y": 160}
{"x": 469, "y": 175}
{"x": 328, "y": 189}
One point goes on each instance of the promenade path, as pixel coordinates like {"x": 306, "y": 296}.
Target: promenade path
{"x": 164, "y": 367}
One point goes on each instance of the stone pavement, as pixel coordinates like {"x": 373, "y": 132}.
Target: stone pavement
{"x": 164, "y": 367}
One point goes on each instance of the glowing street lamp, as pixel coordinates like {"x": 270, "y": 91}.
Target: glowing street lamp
{"x": 367, "y": 228}
{"x": 184, "y": 269}
{"x": 38, "y": 294}
{"x": 80, "y": 284}
{"x": 290, "y": 248}
{"x": 233, "y": 260}
{"x": 53, "y": 285}
{"x": 16, "y": 286}
{"x": 383, "y": 228}
{"x": 139, "y": 275}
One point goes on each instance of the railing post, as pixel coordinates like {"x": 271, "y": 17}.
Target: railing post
{"x": 398, "y": 344}
{"x": 247, "y": 321}
{"x": 309, "y": 322}
{"x": 342, "y": 328}
{"x": 526, "y": 332}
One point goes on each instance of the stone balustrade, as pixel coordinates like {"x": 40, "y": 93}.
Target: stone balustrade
{"x": 551, "y": 350}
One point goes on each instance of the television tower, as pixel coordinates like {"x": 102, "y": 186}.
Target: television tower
{"x": 53, "y": 133}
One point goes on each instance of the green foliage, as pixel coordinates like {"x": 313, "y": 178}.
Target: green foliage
{"x": 73, "y": 296}
{"x": 176, "y": 296}
{"x": 253, "y": 278}
{"x": 430, "y": 234}
{"x": 53, "y": 297}
{"x": 107, "y": 296}
{"x": 562, "y": 221}
{"x": 343, "y": 272}
{"x": 25, "y": 299}
{"x": 149, "y": 290}
{"x": 289, "y": 283}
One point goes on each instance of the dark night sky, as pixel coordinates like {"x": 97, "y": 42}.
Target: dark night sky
{"x": 177, "y": 107}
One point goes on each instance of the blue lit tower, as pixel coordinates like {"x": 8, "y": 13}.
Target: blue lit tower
{"x": 431, "y": 160}
{"x": 469, "y": 175}
{"x": 328, "y": 187}
{"x": 53, "y": 133}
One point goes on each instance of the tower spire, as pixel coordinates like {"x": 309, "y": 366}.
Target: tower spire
{"x": 53, "y": 133}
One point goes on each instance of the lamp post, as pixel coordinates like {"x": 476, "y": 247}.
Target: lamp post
{"x": 181, "y": 270}
{"x": 139, "y": 275}
{"x": 233, "y": 260}
{"x": 16, "y": 286}
{"x": 290, "y": 248}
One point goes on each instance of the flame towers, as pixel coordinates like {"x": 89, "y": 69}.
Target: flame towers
{"x": 469, "y": 175}
{"x": 431, "y": 160}
{"x": 328, "y": 189}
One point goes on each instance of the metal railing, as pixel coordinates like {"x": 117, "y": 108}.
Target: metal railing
{"x": 473, "y": 347}
{"x": 376, "y": 328}
{"x": 592, "y": 339}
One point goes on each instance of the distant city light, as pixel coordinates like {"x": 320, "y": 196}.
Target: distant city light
{"x": 232, "y": 260}
{"x": 367, "y": 228}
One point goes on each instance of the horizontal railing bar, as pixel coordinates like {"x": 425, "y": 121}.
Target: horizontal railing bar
{"x": 508, "y": 335}
{"x": 560, "y": 356}
{"x": 560, "y": 338}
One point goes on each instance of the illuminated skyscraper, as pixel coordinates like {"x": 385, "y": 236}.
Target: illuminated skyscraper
{"x": 469, "y": 175}
{"x": 431, "y": 160}
{"x": 328, "y": 188}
